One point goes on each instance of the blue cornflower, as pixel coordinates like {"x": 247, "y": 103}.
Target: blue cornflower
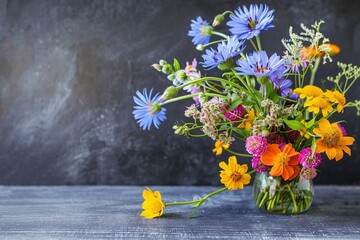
{"x": 247, "y": 23}
{"x": 148, "y": 110}
{"x": 225, "y": 51}
{"x": 258, "y": 64}
{"x": 281, "y": 85}
{"x": 200, "y": 31}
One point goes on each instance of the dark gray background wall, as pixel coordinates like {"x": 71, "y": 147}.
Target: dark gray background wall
{"x": 69, "y": 69}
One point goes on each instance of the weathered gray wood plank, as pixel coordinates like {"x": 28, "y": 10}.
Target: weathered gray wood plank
{"x": 113, "y": 212}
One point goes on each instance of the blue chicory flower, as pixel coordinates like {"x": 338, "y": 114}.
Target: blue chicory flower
{"x": 260, "y": 65}
{"x": 200, "y": 31}
{"x": 148, "y": 110}
{"x": 247, "y": 23}
{"x": 225, "y": 51}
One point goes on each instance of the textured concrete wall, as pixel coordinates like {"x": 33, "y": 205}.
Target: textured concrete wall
{"x": 69, "y": 69}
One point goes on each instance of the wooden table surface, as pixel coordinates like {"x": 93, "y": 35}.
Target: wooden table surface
{"x": 112, "y": 212}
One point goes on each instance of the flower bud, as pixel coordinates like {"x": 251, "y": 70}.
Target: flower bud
{"x": 181, "y": 75}
{"x": 218, "y": 20}
{"x": 171, "y": 77}
{"x": 162, "y": 62}
{"x": 169, "y": 93}
{"x": 200, "y": 47}
{"x": 157, "y": 67}
{"x": 167, "y": 68}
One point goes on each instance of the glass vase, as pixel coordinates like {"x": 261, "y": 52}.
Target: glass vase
{"x": 274, "y": 195}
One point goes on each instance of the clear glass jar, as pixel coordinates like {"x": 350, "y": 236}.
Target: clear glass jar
{"x": 272, "y": 194}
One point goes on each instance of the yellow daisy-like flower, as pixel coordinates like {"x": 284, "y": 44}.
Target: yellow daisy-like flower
{"x": 309, "y": 91}
{"x": 250, "y": 117}
{"x": 336, "y": 97}
{"x": 234, "y": 175}
{"x": 332, "y": 141}
{"x": 219, "y": 146}
{"x": 318, "y": 103}
{"x": 153, "y": 205}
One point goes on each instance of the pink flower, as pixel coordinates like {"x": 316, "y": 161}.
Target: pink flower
{"x": 308, "y": 173}
{"x": 343, "y": 130}
{"x": 256, "y": 145}
{"x": 257, "y": 165}
{"x": 308, "y": 160}
{"x": 235, "y": 114}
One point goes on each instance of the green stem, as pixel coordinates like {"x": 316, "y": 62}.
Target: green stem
{"x": 238, "y": 154}
{"x": 220, "y": 34}
{"x": 258, "y": 42}
{"x": 313, "y": 71}
{"x": 205, "y": 198}
{"x": 263, "y": 199}
{"x": 292, "y": 197}
{"x": 253, "y": 44}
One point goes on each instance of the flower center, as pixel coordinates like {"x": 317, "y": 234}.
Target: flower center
{"x": 282, "y": 159}
{"x": 332, "y": 135}
{"x": 235, "y": 176}
{"x": 252, "y": 24}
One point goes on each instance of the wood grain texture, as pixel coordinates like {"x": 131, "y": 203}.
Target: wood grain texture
{"x": 101, "y": 212}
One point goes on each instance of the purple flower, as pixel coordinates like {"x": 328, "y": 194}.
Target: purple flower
{"x": 247, "y": 23}
{"x": 200, "y": 31}
{"x": 256, "y": 145}
{"x": 260, "y": 65}
{"x": 257, "y": 165}
{"x": 225, "y": 51}
{"x": 148, "y": 110}
{"x": 342, "y": 129}
{"x": 308, "y": 160}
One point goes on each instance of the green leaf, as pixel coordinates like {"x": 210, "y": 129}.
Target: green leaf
{"x": 176, "y": 65}
{"x": 313, "y": 144}
{"x": 300, "y": 116}
{"x": 294, "y": 124}
{"x": 310, "y": 123}
{"x": 271, "y": 93}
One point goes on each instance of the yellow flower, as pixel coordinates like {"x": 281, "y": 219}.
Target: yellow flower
{"x": 250, "y": 117}
{"x": 332, "y": 140}
{"x": 153, "y": 205}
{"x": 336, "y": 97}
{"x": 318, "y": 103}
{"x": 309, "y": 91}
{"x": 219, "y": 146}
{"x": 234, "y": 175}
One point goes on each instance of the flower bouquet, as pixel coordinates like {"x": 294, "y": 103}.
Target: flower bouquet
{"x": 273, "y": 104}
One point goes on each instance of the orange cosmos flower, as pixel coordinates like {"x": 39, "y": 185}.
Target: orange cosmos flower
{"x": 318, "y": 103}
{"x": 332, "y": 141}
{"x": 234, "y": 175}
{"x": 311, "y": 52}
{"x": 285, "y": 162}
{"x": 153, "y": 205}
